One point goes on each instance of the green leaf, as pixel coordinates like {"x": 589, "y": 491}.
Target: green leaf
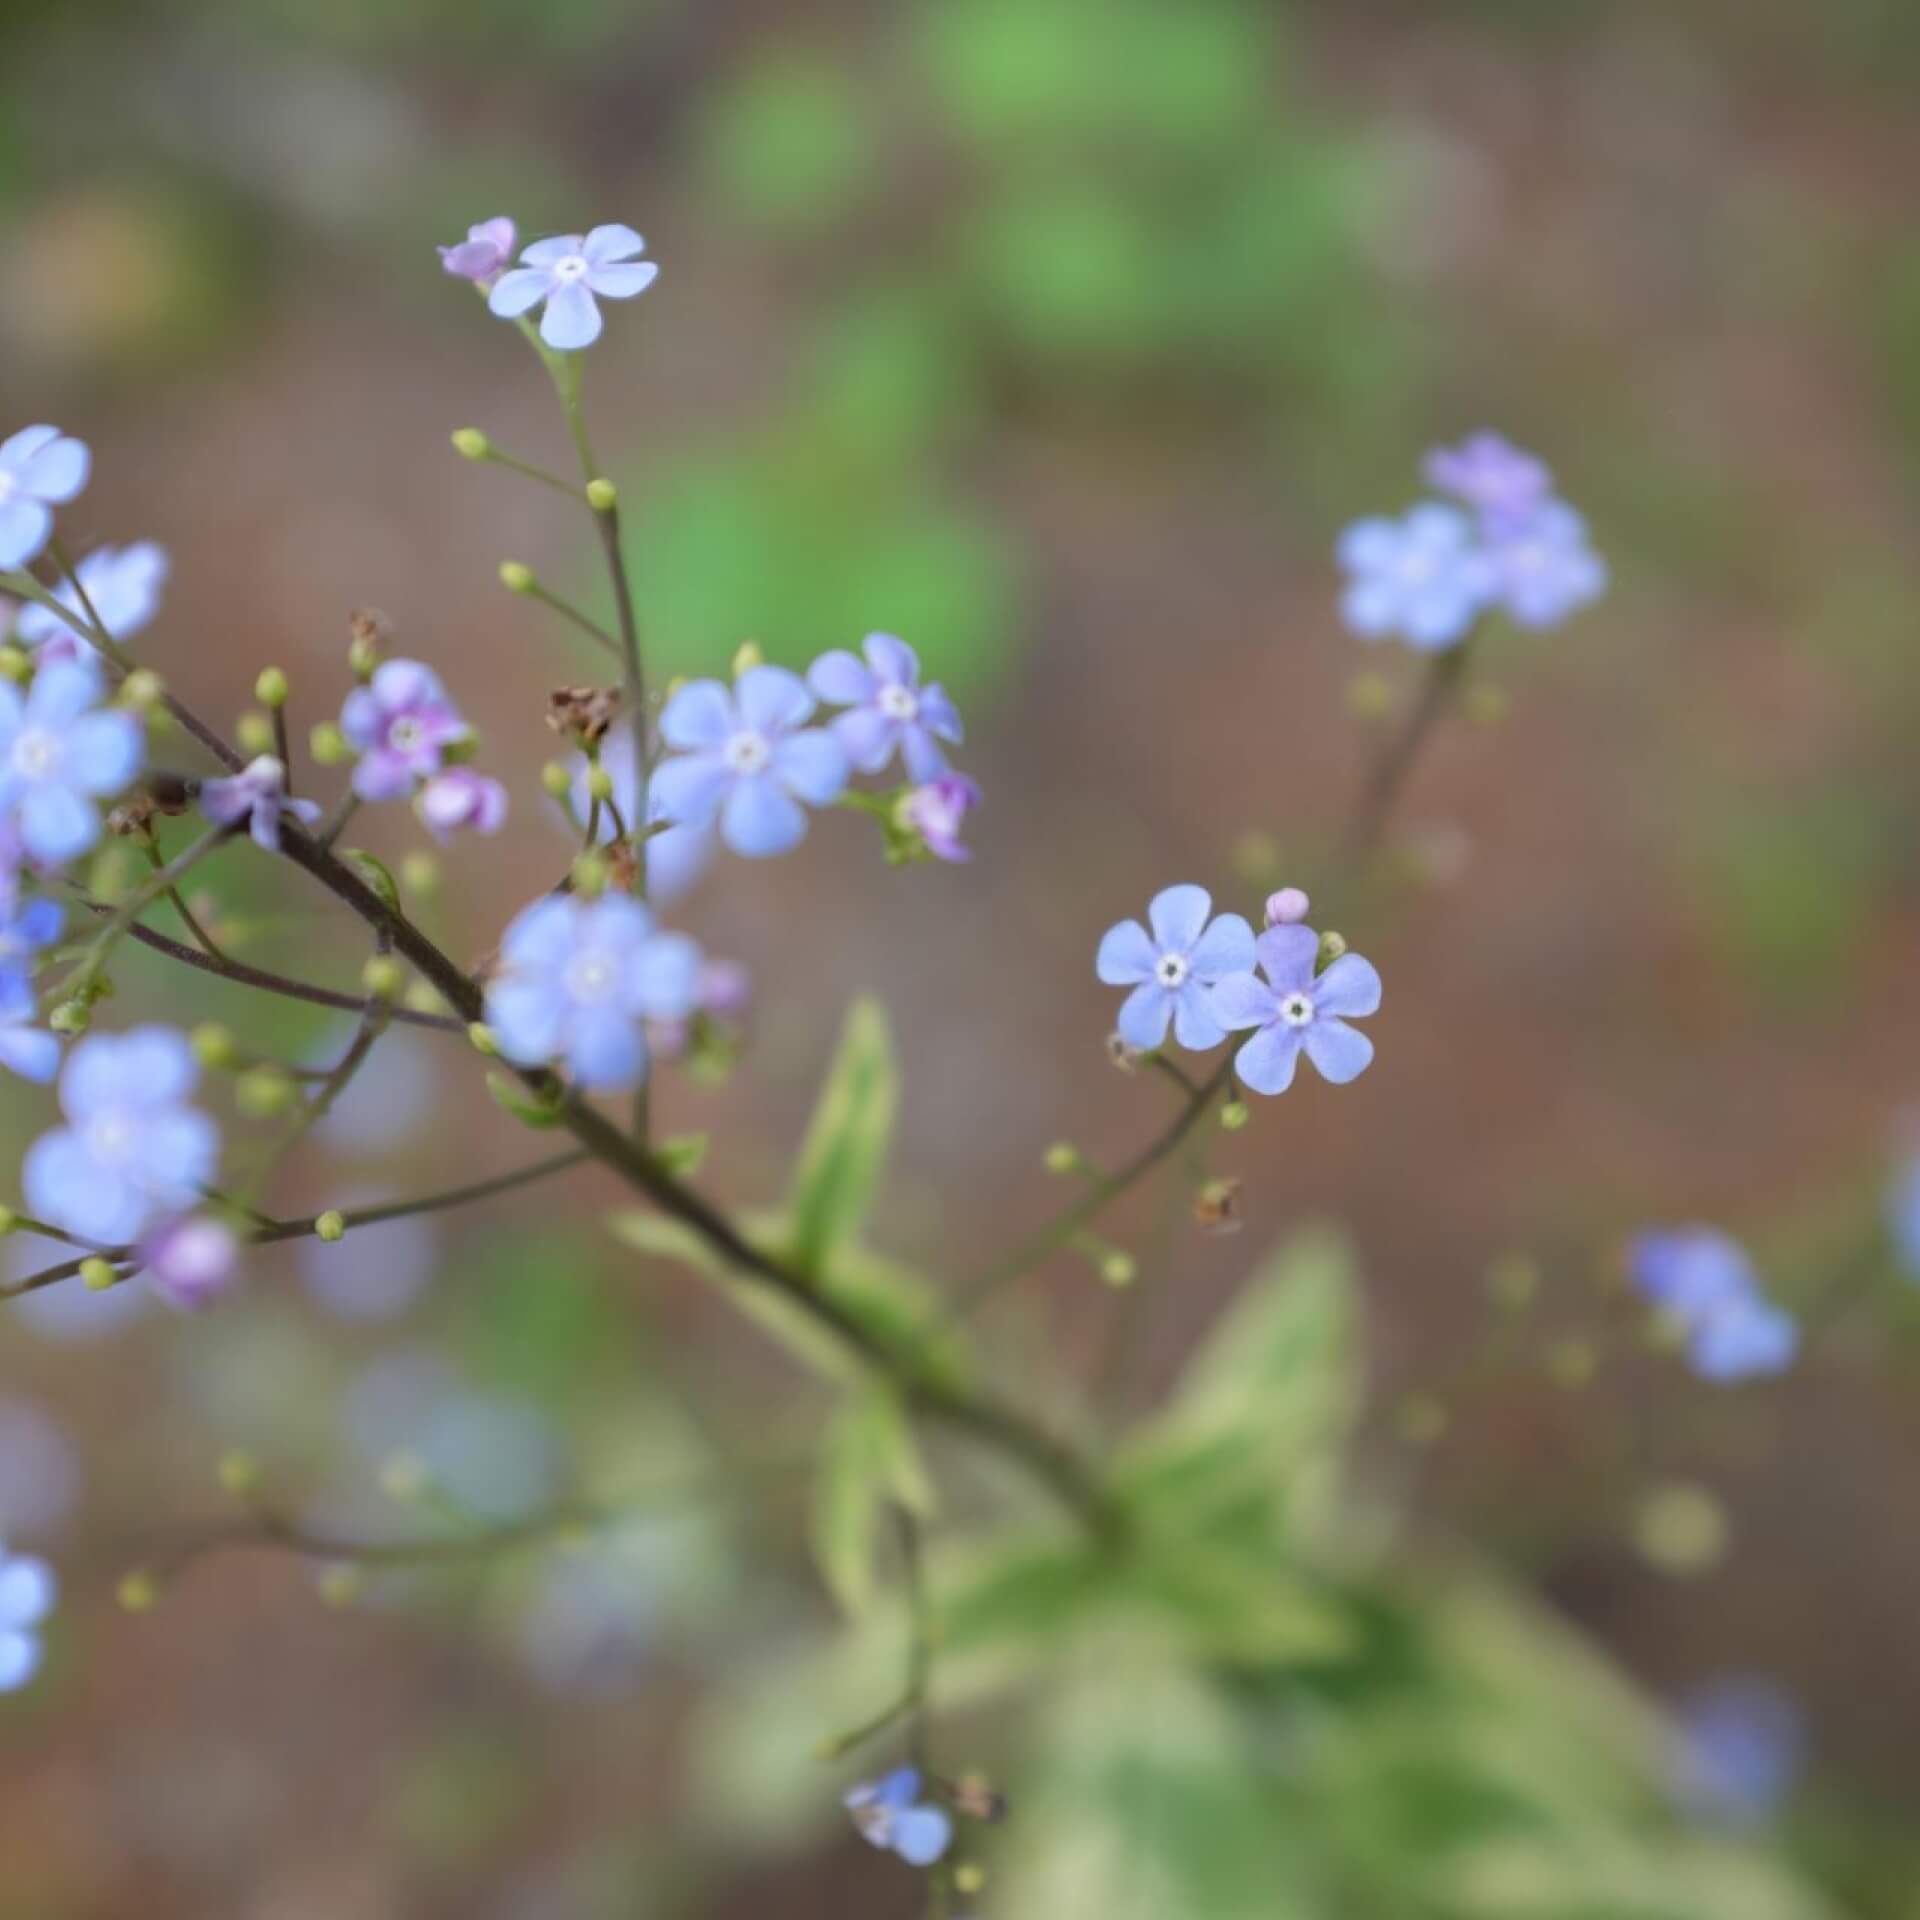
{"x": 868, "y": 1461}
{"x": 846, "y": 1143}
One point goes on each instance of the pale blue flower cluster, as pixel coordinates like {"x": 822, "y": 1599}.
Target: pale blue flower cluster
{"x": 1429, "y": 577}
{"x": 1704, "y": 1280}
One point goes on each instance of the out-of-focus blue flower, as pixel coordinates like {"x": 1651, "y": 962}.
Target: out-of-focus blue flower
{"x": 39, "y": 1470}
{"x": 577, "y": 978}
{"x": 459, "y": 797}
{"x": 676, "y": 856}
{"x": 60, "y": 753}
{"x": 888, "y": 710}
{"x": 26, "y": 929}
{"x": 595, "y": 1609}
{"x": 193, "y": 1260}
{"x": 567, "y": 272}
{"x": 1544, "y": 569}
{"x": 1493, "y": 476}
{"x": 258, "y": 796}
{"x": 1742, "y": 1749}
{"x": 133, "y": 1147}
{"x": 40, "y": 469}
{"x": 401, "y": 724}
{"x": 1903, "y": 1215}
{"x": 1704, "y": 1280}
{"x": 937, "y": 812}
{"x": 27, "y": 1594}
{"x": 122, "y": 586}
{"x": 891, "y": 1815}
{"x": 1172, "y": 968}
{"x": 1424, "y": 578}
{"x": 25, "y": 1049}
{"x": 748, "y": 759}
{"x": 1298, "y": 1011}
{"x": 483, "y": 255}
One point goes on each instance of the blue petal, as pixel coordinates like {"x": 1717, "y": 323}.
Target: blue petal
{"x": 1351, "y": 986}
{"x": 1144, "y": 1015}
{"x": 1242, "y": 1000}
{"x": 762, "y": 819}
{"x": 840, "y": 678}
{"x": 1126, "y": 955}
{"x": 893, "y": 661}
{"x": 1266, "y": 1063}
{"x": 179, "y": 1151}
{"x": 1341, "y": 1052}
{"x": 1177, "y": 915}
{"x": 665, "y": 980}
{"x": 19, "y": 1652}
{"x": 689, "y": 787}
{"x": 812, "y": 766}
{"x": 61, "y": 693}
{"x": 27, "y": 1590}
{"x": 701, "y": 714}
{"x": 527, "y": 1018}
{"x": 771, "y": 699}
{"x": 867, "y": 737}
{"x": 1194, "y": 1023}
{"x": 921, "y": 1835}
{"x": 105, "y": 750}
{"x": 572, "y": 319}
{"x": 65, "y": 1184}
{"x": 1226, "y": 947}
{"x": 56, "y": 824}
{"x": 30, "y": 1052}
{"x": 542, "y": 936}
{"x": 605, "y": 1053}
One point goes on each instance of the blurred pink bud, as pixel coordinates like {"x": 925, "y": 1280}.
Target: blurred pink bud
{"x": 1287, "y": 908}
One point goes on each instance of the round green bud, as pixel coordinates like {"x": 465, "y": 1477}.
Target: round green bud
{"x": 969, "y": 1877}
{"x": 71, "y": 1016}
{"x": 214, "y": 1047}
{"x": 144, "y": 689}
{"x": 328, "y": 745}
{"x": 254, "y": 731}
{"x": 1332, "y": 946}
{"x": 339, "y": 1585}
{"x": 8, "y": 1221}
{"x": 16, "y": 664}
{"x": 1234, "y": 1115}
{"x": 483, "y": 1039}
{"x": 590, "y": 875}
{"x": 422, "y": 996}
{"x": 383, "y": 976}
{"x": 602, "y": 495}
{"x": 363, "y": 655}
{"x": 600, "y": 784}
{"x": 748, "y": 653}
{"x": 419, "y": 873}
{"x": 262, "y": 1092}
{"x": 331, "y": 1226}
{"x": 1681, "y": 1529}
{"x": 271, "y": 688}
{"x": 138, "y": 1591}
{"x": 557, "y": 778}
{"x": 471, "y": 444}
{"x": 239, "y": 1472}
{"x": 1370, "y": 696}
{"x": 97, "y": 1275}
{"x": 1117, "y": 1268}
{"x": 1063, "y": 1157}
{"x": 517, "y": 578}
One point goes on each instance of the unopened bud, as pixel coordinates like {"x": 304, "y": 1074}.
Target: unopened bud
{"x": 1234, "y": 1115}
{"x": 1118, "y": 1269}
{"x": 8, "y": 1221}
{"x": 254, "y": 732}
{"x": 471, "y": 444}
{"x": 143, "y": 689}
{"x": 1332, "y": 946}
{"x": 1681, "y": 1529}
{"x": 1287, "y": 908}
{"x": 422, "y": 996}
{"x": 97, "y": 1275}
{"x": 383, "y": 976}
{"x": 16, "y": 664}
{"x": 1063, "y": 1157}
{"x": 262, "y": 1092}
{"x": 331, "y": 1226}
{"x": 557, "y": 778}
{"x": 71, "y": 1016}
{"x": 271, "y": 688}
{"x": 419, "y": 872}
{"x": 748, "y": 653}
{"x": 363, "y": 658}
{"x": 239, "y": 1472}
{"x": 328, "y": 745}
{"x": 483, "y": 1039}
{"x": 590, "y": 875}
{"x": 138, "y": 1591}
{"x": 214, "y": 1047}
{"x": 600, "y": 784}
{"x": 1571, "y": 1363}
{"x": 1423, "y": 1419}
{"x": 1512, "y": 1281}
{"x": 969, "y": 1877}
{"x": 517, "y": 578}
{"x": 602, "y": 495}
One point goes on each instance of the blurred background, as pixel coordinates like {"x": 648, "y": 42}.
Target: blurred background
{"x": 1060, "y": 337}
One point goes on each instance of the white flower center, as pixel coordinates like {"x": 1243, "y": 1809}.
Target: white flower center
{"x": 897, "y": 702}
{"x": 112, "y": 1137}
{"x": 405, "y": 734}
{"x": 574, "y": 266}
{"x": 748, "y": 753}
{"x": 1297, "y": 1010}
{"x": 36, "y": 753}
{"x": 592, "y": 976}
{"x": 1171, "y": 970}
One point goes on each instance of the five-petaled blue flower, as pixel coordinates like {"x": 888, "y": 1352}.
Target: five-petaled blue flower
{"x": 122, "y": 586}
{"x": 40, "y": 469}
{"x": 577, "y": 978}
{"x": 888, "y": 710}
{"x": 891, "y": 1815}
{"x": 133, "y": 1146}
{"x": 59, "y": 753}
{"x": 1544, "y": 568}
{"x": 748, "y": 759}
{"x": 1425, "y": 578}
{"x": 1704, "y": 1280}
{"x": 567, "y": 272}
{"x": 1172, "y": 968}
{"x": 1298, "y": 1011}
{"x": 1742, "y": 1747}
{"x": 27, "y": 1594}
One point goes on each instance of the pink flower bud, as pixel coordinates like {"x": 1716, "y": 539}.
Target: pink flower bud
{"x": 1287, "y": 908}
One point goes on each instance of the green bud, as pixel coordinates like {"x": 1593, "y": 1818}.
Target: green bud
{"x": 422, "y": 996}
{"x": 685, "y": 1154}
{"x": 1117, "y": 1268}
{"x": 1681, "y": 1529}
{"x": 383, "y": 976}
{"x": 590, "y": 875}
{"x": 16, "y": 664}
{"x": 139, "y": 1591}
{"x": 239, "y": 1472}
{"x": 602, "y": 496}
{"x": 483, "y": 1039}
{"x": 969, "y": 1877}
{"x": 71, "y": 1016}
{"x": 328, "y": 745}
{"x": 1063, "y": 1157}
{"x": 747, "y": 654}
{"x": 339, "y": 1585}
{"x": 471, "y": 444}
{"x": 419, "y": 873}
{"x": 214, "y": 1047}
{"x": 8, "y": 1221}
{"x": 262, "y": 1092}
{"x": 557, "y": 778}
{"x": 331, "y": 1226}
{"x": 1234, "y": 1115}
{"x": 97, "y": 1275}
{"x": 143, "y": 689}
{"x": 1332, "y": 946}
{"x": 254, "y": 731}
{"x": 517, "y": 578}
{"x": 600, "y": 784}
{"x": 363, "y": 655}
{"x": 271, "y": 688}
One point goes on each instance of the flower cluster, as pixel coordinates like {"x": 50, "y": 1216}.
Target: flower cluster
{"x": 27, "y": 1594}
{"x": 1207, "y": 976}
{"x": 1703, "y": 1280}
{"x": 411, "y": 740}
{"x": 1511, "y": 545}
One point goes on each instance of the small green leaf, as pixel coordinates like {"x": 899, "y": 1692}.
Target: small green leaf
{"x": 846, "y": 1143}
{"x": 376, "y": 873}
{"x": 525, "y": 1107}
{"x": 868, "y": 1459}
{"x": 685, "y": 1154}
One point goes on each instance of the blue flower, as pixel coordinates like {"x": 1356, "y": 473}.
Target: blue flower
{"x": 1171, "y": 969}
{"x": 891, "y": 1816}
{"x": 27, "y": 1594}
{"x": 748, "y": 759}
{"x": 576, "y": 980}
{"x": 1424, "y": 578}
{"x": 1903, "y": 1215}
{"x": 59, "y": 753}
{"x": 257, "y": 796}
{"x": 567, "y": 272}
{"x": 888, "y": 710}
{"x": 1297, "y": 1011}
{"x": 122, "y": 586}
{"x": 676, "y": 856}
{"x": 1543, "y": 566}
{"x": 26, "y": 928}
{"x": 40, "y": 469}
{"x": 1742, "y": 1747}
{"x": 1494, "y": 477}
{"x": 134, "y": 1147}
{"x": 1703, "y": 1279}
{"x": 29, "y": 1051}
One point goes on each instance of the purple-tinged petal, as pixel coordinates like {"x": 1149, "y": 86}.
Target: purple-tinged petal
{"x": 571, "y": 320}
{"x": 1226, "y": 947}
{"x": 839, "y": 678}
{"x": 381, "y": 775}
{"x": 1144, "y": 1015}
{"x": 939, "y": 715}
{"x": 701, "y": 714}
{"x": 894, "y": 663}
{"x": 925, "y": 762}
{"x": 1287, "y": 957}
{"x": 1126, "y": 955}
{"x": 761, "y": 819}
{"x": 1266, "y": 1063}
{"x": 772, "y": 700}
{"x": 518, "y": 292}
{"x": 1242, "y": 1000}
{"x": 812, "y": 765}
{"x": 867, "y": 737}
{"x": 1177, "y": 916}
{"x": 1351, "y": 986}
{"x": 1341, "y": 1052}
